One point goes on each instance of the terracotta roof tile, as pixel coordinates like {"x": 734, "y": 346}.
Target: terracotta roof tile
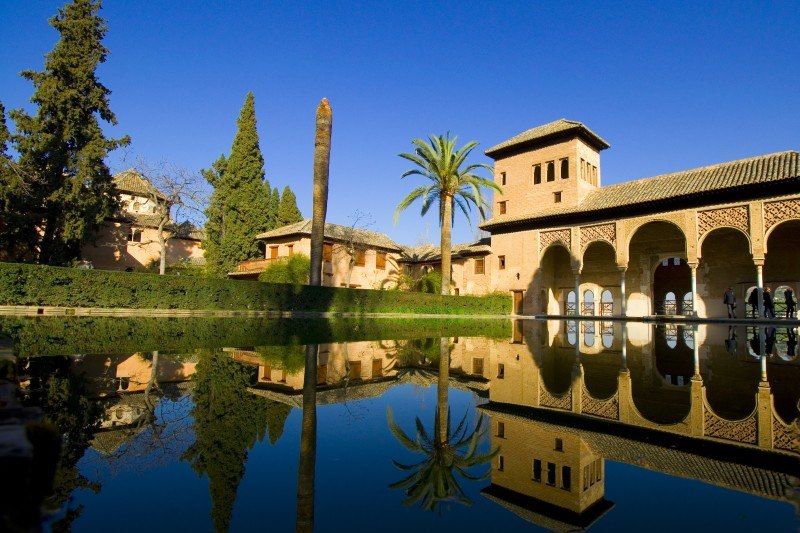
{"x": 131, "y": 181}
{"x": 561, "y": 125}
{"x": 333, "y": 232}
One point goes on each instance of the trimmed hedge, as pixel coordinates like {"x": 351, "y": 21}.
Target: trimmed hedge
{"x": 24, "y": 284}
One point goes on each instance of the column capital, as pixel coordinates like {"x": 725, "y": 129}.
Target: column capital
{"x": 692, "y": 264}
{"x": 622, "y": 268}
{"x": 758, "y": 261}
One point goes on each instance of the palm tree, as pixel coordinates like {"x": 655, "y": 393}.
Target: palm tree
{"x": 452, "y": 182}
{"x": 322, "y": 158}
{"x": 447, "y": 452}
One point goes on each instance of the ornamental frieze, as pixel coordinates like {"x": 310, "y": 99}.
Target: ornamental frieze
{"x": 780, "y": 211}
{"x": 546, "y": 238}
{"x": 731, "y": 217}
{"x": 599, "y": 232}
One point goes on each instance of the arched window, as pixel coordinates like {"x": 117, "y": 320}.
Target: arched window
{"x": 786, "y": 343}
{"x": 564, "y": 169}
{"x": 606, "y": 303}
{"x": 608, "y": 334}
{"x": 779, "y": 299}
{"x": 670, "y": 304}
{"x": 537, "y": 174}
{"x": 687, "y": 305}
{"x": 752, "y": 309}
{"x": 588, "y": 302}
{"x": 671, "y": 335}
{"x": 688, "y": 338}
{"x": 569, "y": 304}
{"x": 551, "y": 171}
{"x": 588, "y": 334}
{"x": 572, "y": 332}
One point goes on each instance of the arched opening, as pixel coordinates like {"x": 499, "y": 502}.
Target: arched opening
{"x": 725, "y": 261}
{"x": 608, "y": 334}
{"x": 572, "y": 332}
{"x": 672, "y": 277}
{"x": 751, "y": 309}
{"x": 687, "y": 303}
{"x": 587, "y": 306}
{"x": 569, "y": 304}
{"x": 588, "y": 333}
{"x": 555, "y": 278}
{"x": 606, "y": 303}
{"x": 781, "y": 267}
{"x": 665, "y": 242}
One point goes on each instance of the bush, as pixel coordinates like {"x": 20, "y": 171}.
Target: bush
{"x": 38, "y": 285}
{"x": 292, "y": 270}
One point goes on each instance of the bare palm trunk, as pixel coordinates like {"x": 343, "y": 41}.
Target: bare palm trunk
{"x": 442, "y": 390}
{"x": 308, "y": 444}
{"x": 322, "y": 155}
{"x": 446, "y": 245}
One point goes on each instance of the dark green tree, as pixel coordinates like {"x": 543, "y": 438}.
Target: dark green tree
{"x": 17, "y": 225}
{"x": 274, "y": 204}
{"x": 228, "y": 422}
{"x": 239, "y": 206}
{"x": 63, "y": 145}
{"x": 288, "y": 213}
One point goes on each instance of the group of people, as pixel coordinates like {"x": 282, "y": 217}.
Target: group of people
{"x": 729, "y": 299}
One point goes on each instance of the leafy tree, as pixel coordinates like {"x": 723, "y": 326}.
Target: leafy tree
{"x": 239, "y": 206}
{"x": 452, "y": 182}
{"x": 228, "y": 423}
{"x": 17, "y": 230}
{"x": 63, "y": 145}
{"x": 288, "y": 213}
{"x": 292, "y": 270}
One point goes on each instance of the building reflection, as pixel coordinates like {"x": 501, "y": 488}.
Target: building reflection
{"x": 565, "y": 396}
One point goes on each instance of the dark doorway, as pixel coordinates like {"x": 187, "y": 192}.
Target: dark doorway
{"x": 671, "y": 281}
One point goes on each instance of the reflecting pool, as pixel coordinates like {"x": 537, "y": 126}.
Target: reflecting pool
{"x": 409, "y": 424}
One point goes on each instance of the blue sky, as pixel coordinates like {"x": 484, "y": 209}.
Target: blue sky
{"x": 669, "y": 85}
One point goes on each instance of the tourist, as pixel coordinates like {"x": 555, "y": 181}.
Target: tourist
{"x": 753, "y": 301}
{"x": 730, "y": 301}
{"x": 731, "y": 342}
{"x": 791, "y": 304}
{"x": 769, "y": 304}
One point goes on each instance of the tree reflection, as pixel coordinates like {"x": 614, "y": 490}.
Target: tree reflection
{"x": 449, "y": 453}
{"x": 308, "y": 444}
{"x": 228, "y": 422}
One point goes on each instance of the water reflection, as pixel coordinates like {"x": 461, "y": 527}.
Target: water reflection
{"x": 559, "y": 403}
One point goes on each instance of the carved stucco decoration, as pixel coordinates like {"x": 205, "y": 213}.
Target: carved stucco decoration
{"x": 557, "y": 402}
{"x": 608, "y": 408}
{"x": 785, "y": 436}
{"x": 546, "y": 238}
{"x": 599, "y": 232}
{"x": 731, "y": 217}
{"x": 735, "y": 430}
{"x": 780, "y": 211}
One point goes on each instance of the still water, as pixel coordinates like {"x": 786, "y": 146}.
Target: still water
{"x": 215, "y": 424}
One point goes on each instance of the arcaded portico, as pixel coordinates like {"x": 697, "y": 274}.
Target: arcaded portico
{"x": 669, "y": 244}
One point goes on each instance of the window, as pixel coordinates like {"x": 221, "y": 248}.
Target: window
{"x": 551, "y": 171}
{"x": 501, "y": 207}
{"x": 551, "y": 474}
{"x": 599, "y": 469}
{"x": 502, "y": 178}
{"x": 477, "y": 366}
{"x": 380, "y": 260}
{"x": 501, "y": 262}
{"x": 480, "y": 266}
{"x": 537, "y": 174}
{"x": 557, "y": 197}
{"x": 327, "y": 252}
{"x": 500, "y": 463}
{"x": 134, "y": 235}
{"x": 360, "y": 258}
{"x": 559, "y": 446}
{"x": 273, "y": 252}
{"x": 501, "y": 429}
{"x": 290, "y": 249}
{"x": 355, "y": 369}
{"x": 566, "y": 478}
{"x": 565, "y": 168}
{"x": 582, "y": 169}
{"x": 501, "y": 371}
{"x": 537, "y": 470}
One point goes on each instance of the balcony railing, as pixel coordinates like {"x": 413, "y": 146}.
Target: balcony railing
{"x": 254, "y": 265}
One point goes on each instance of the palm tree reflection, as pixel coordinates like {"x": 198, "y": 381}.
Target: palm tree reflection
{"x": 308, "y": 444}
{"x": 449, "y": 453}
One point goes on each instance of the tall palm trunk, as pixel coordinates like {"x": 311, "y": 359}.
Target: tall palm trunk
{"x": 308, "y": 444}
{"x": 441, "y": 391}
{"x": 322, "y": 155}
{"x": 446, "y": 245}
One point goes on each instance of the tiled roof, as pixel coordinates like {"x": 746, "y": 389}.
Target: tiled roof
{"x": 183, "y": 230}
{"x": 131, "y": 181}
{"x": 429, "y": 253}
{"x": 557, "y": 127}
{"x": 334, "y": 232}
{"x": 714, "y": 179}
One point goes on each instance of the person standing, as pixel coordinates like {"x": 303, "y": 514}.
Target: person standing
{"x": 730, "y": 302}
{"x": 769, "y": 304}
{"x": 753, "y": 301}
{"x": 791, "y": 304}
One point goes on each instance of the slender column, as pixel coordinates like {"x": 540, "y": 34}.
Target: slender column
{"x": 624, "y": 326}
{"x": 760, "y": 288}
{"x": 693, "y": 268}
{"x": 696, "y": 356}
{"x": 762, "y": 351}
{"x": 623, "y": 295}
{"x": 578, "y": 309}
{"x": 763, "y": 368}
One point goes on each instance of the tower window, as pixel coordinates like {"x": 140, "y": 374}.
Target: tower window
{"x": 537, "y": 470}
{"x": 501, "y": 206}
{"x": 566, "y": 478}
{"x": 559, "y": 446}
{"x": 551, "y": 474}
{"x": 501, "y": 262}
{"x": 557, "y": 197}
{"x": 551, "y": 170}
{"x": 537, "y": 174}
{"x": 502, "y": 178}
{"x": 565, "y": 168}
{"x": 501, "y": 429}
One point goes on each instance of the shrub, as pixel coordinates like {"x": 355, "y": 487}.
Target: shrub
{"x": 23, "y": 284}
{"x": 292, "y": 270}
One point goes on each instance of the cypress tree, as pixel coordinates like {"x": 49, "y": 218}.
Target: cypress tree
{"x": 241, "y": 197}
{"x": 214, "y": 212}
{"x": 288, "y": 213}
{"x": 18, "y": 234}
{"x": 63, "y": 145}
{"x": 274, "y": 202}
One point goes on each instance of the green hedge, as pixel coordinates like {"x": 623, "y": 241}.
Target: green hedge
{"x": 23, "y": 284}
